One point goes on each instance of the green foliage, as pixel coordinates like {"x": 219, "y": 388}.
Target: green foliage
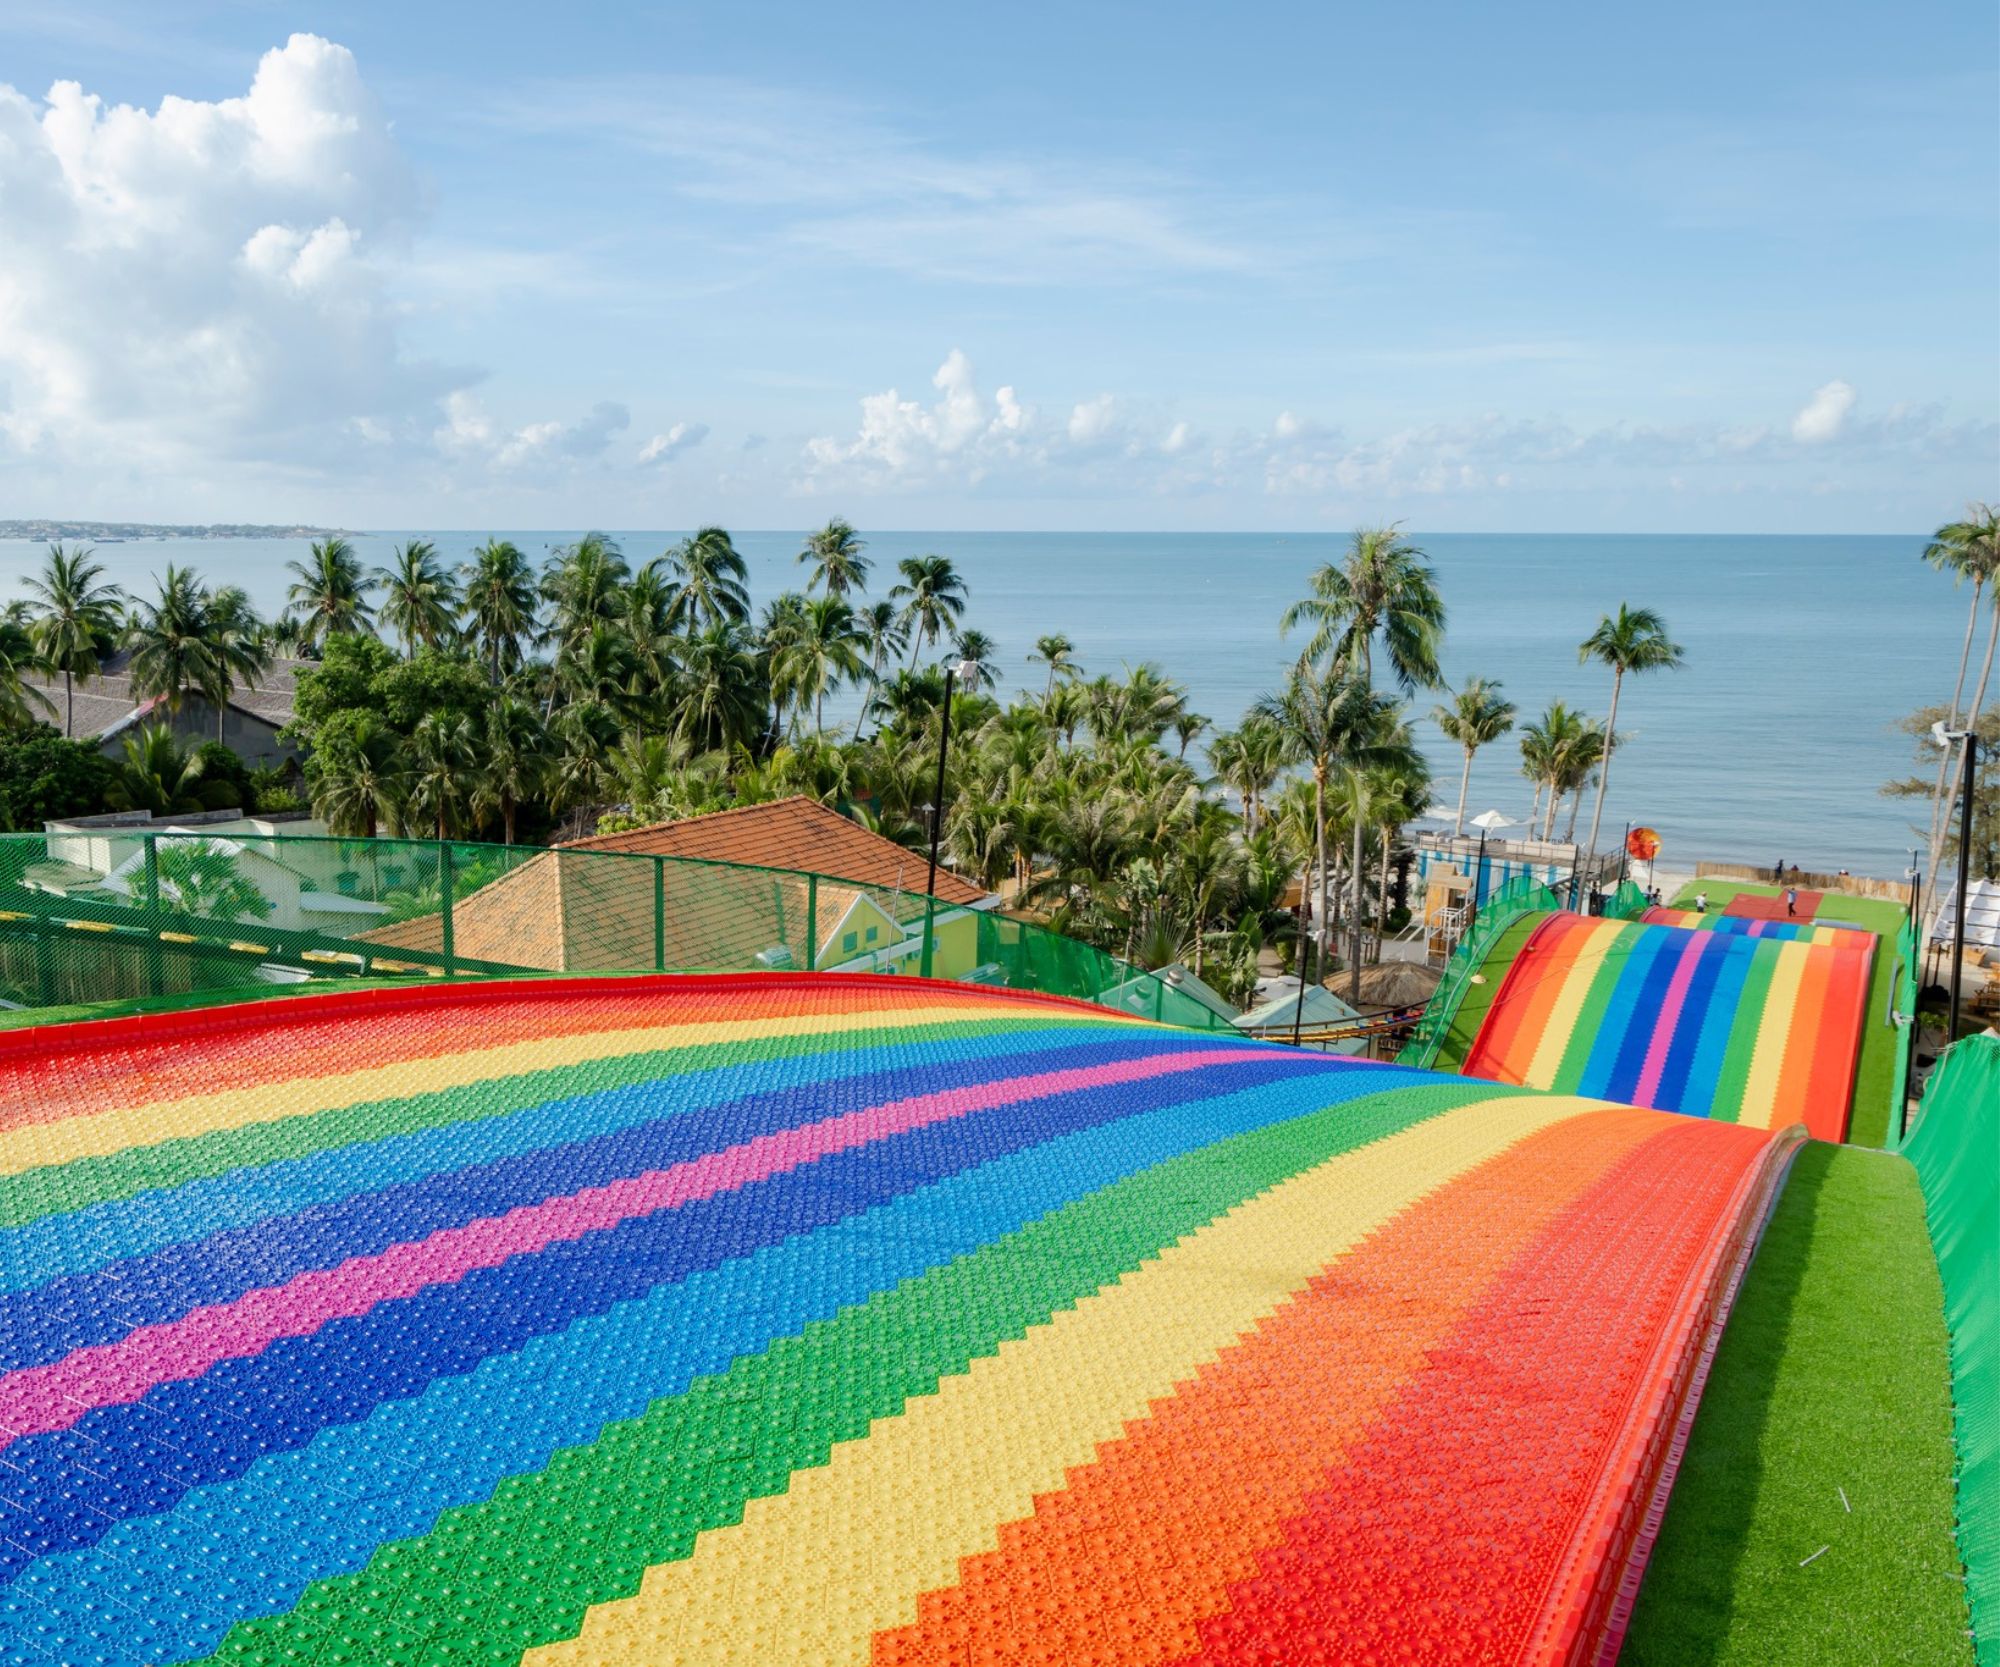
{"x": 44, "y": 777}
{"x": 156, "y": 775}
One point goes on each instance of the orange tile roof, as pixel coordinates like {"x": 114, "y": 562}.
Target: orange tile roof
{"x": 797, "y": 833}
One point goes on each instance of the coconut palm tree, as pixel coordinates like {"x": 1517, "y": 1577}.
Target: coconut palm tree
{"x": 1477, "y": 715}
{"x": 78, "y": 619}
{"x": 357, "y": 776}
{"x": 1966, "y": 549}
{"x": 1383, "y": 586}
{"x": 171, "y": 651}
{"x": 514, "y": 761}
{"x": 722, "y": 698}
{"x": 1633, "y": 640}
{"x": 585, "y": 735}
{"x": 419, "y": 596}
{"x": 499, "y": 604}
{"x": 584, "y": 585}
{"x": 444, "y": 770}
{"x": 1058, "y": 653}
{"x": 881, "y": 625}
{"x": 1559, "y": 750}
{"x": 1326, "y": 720}
{"x": 834, "y": 553}
{"x": 1188, "y": 727}
{"x": 711, "y": 582}
{"x": 156, "y": 773}
{"x": 932, "y": 597}
{"x": 199, "y": 877}
{"x": 237, "y": 651}
{"x": 981, "y": 650}
{"x": 824, "y": 651}
{"x": 21, "y": 703}
{"x": 330, "y": 592}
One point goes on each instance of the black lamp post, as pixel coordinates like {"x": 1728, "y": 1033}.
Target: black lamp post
{"x": 966, "y": 671}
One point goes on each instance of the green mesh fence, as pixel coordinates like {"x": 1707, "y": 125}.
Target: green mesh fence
{"x": 1903, "y": 1016}
{"x": 1954, "y": 1146}
{"x": 131, "y": 914}
{"x": 1627, "y": 903}
{"x": 1520, "y": 896}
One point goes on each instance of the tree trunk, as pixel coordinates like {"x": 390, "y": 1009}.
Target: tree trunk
{"x": 1969, "y": 721}
{"x": 1464, "y": 785}
{"x": 1354, "y": 925}
{"x": 69, "y": 706}
{"x": 507, "y": 816}
{"x": 1319, "y": 842}
{"x": 1604, "y": 769}
{"x": 1951, "y": 720}
{"x": 1575, "y": 806}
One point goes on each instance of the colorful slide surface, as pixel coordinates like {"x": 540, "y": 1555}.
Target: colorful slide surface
{"x": 1803, "y": 931}
{"x": 1720, "y": 1021}
{"x": 795, "y": 1319}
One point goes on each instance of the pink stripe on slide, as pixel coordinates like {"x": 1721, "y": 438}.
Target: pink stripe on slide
{"x": 1670, "y": 1013}
{"x": 55, "y": 1396}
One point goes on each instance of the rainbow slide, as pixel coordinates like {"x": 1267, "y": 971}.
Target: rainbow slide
{"x": 787, "y": 1319}
{"x": 1806, "y": 931}
{"x": 1719, "y": 1021}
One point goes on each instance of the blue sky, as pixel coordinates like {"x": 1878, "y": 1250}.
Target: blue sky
{"x": 1097, "y": 266}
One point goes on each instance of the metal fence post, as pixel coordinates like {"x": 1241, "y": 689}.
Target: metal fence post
{"x": 660, "y": 913}
{"x": 930, "y": 934}
{"x": 156, "y": 980}
{"x": 812, "y": 919}
{"x": 444, "y": 913}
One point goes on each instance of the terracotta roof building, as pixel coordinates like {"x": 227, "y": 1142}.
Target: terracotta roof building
{"x": 734, "y": 894}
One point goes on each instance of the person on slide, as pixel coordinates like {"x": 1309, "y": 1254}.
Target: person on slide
{"x": 1791, "y": 900}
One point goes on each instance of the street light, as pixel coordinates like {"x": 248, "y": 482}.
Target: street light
{"x": 966, "y": 672}
{"x": 1944, "y": 738}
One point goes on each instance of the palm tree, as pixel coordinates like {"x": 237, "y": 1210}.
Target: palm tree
{"x": 1632, "y": 640}
{"x": 837, "y": 562}
{"x": 157, "y": 774}
{"x": 78, "y": 619}
{"x": 21, "y": 703}
{"x": 880, "y": 623}
{"x": 357, "y": 776}
{"x": 1966, "y": 549}
{"x": 712, "y": 582}
{"x": 1559, "y": 750}
{"x": 584, "y": 585}
{"x": 1384, "y": 585}
{"x": 1477, "y": 715}
{"x": 330, "y": 592}
{"x": 722, "y": 697}
{"x": 1059, "y": 654}
{"x": 444, "y": 771}
{"x": 933, "y": 596}
{"x": 236, "y": 639}
{"x": 1188, "y": 728}
{"x": 419, "y": 596}
{"x": 824, "y": 652}
{"x": 514, "y": 762}
{"x": 585, "y": 733}
{"x": 171, "y": 650}
{"x": 981, "y": 650}
{"x": 1326, "y": 720}
{"x": 199, "y": 877}
{"x": 499, "y": 604}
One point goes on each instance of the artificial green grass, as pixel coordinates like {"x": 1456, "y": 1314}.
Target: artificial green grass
{"x": 1875, "y": 1072}
{"x": 1471, "y": 1014}
{"x": 1833, "y": 1375}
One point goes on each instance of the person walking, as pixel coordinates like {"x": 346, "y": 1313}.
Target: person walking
{"x": 1791, "y": 902}
{"x": 1701, "y": 902}
{"x": 1778, "y": 873}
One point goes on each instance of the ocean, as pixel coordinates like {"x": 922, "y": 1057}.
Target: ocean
{"x": 1772, "y": 742}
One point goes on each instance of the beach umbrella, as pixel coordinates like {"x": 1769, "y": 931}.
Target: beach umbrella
{"x": 1490, "y": 821}
{"x": 1399, "y": 984}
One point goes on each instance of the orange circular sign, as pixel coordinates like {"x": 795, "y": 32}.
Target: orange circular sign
{"x": 1643, "y": 843}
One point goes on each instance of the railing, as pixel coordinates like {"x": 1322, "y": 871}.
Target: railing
{"x": 1903, "y": 1015}
{"x": 109, "y": 914}
{"x": 1522, "y": 896}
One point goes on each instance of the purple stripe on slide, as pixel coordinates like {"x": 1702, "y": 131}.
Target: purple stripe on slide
{"x": 55, "y": 1396}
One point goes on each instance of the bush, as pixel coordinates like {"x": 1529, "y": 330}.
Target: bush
{"x": 44, "y": 778}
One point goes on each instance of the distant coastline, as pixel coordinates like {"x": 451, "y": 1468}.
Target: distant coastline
{"x": 155, "y": 529}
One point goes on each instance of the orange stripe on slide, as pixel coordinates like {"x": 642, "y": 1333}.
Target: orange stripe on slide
{"x": 1527, "y": 995}
{"x": 53, "y": 1086}
{"x": 1829, "y": 1091}
{"x": 1173, "y": 1513}
{"x": 1803, "y": 1037}
{"x": 1438, "y": 1536}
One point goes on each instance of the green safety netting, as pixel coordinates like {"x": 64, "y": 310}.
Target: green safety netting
{"x": 1954, "y": 1146}
{"x": 110, "y": 914}
{"x": 1520, "y": 896}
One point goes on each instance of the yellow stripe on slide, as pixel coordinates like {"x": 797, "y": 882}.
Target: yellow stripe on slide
{"x": 1781, "y": 1001}
{"x": 1585, "y": 965}
{"x": 38, "y": 1145}
{"x": 809, "y": 1576}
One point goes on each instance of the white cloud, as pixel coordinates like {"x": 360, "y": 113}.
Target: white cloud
{"x": 469, "y": 436}
{"x": 1824, "y": 415}
{"x": 1178, "y": 439}
{"x": 1093, "y": 420}
{"x": 205, "y": 278}
{"x": 664, "y": 448}
{"x": 961, "y": 432}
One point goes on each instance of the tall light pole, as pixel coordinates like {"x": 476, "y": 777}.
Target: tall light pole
{"x": 966, "y": 671}
{"x": 1970, "y": 739}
